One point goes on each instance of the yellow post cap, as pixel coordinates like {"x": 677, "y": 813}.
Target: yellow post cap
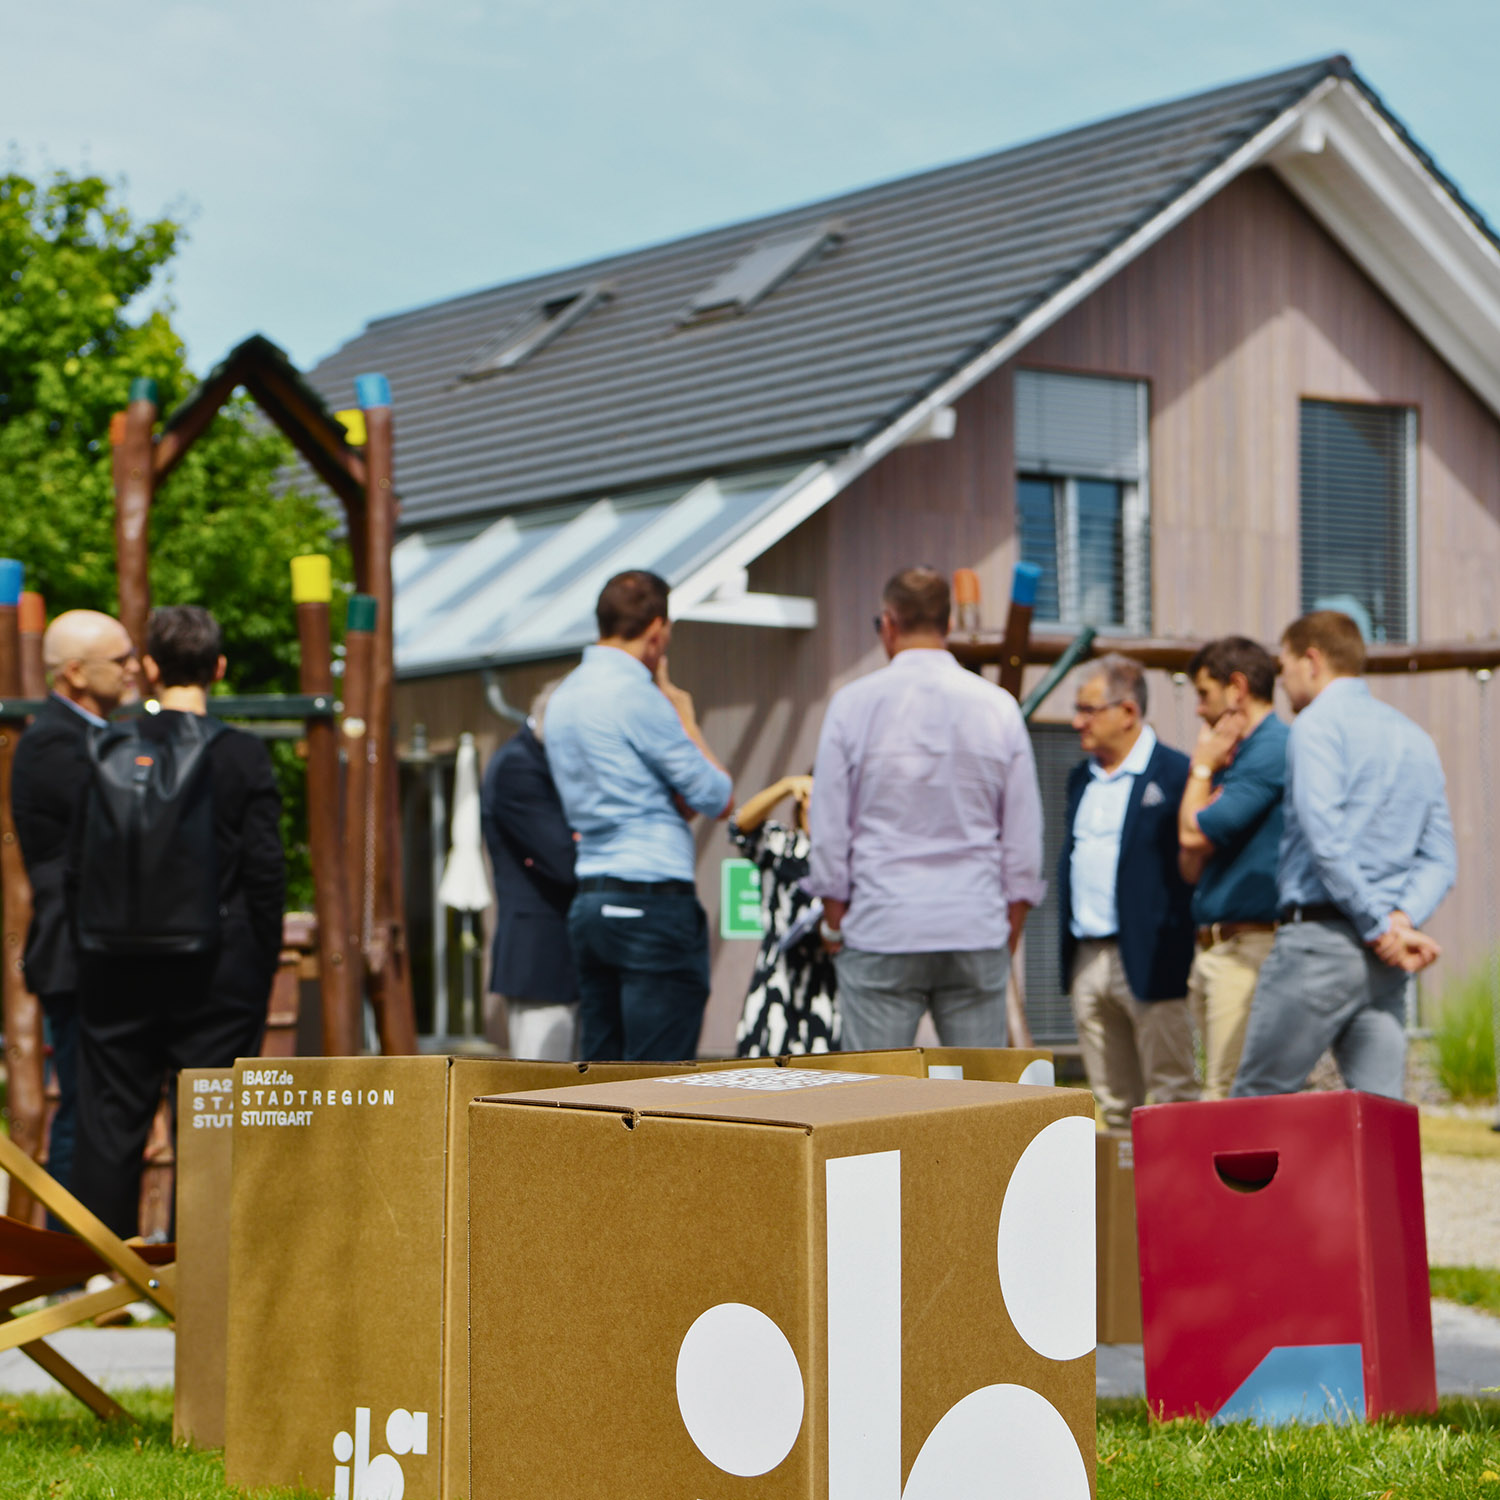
{"x": 353, "y": 422}
{"x": 312, "y": 579}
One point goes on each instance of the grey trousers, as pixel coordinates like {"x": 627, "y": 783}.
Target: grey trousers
{"x": 882, "y": 997}
{"x": 1321, "y": 988}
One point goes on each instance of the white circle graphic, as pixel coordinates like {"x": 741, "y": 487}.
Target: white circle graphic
{"x": 343, "y": 1447}
{"x": 383, "y": 1480}
{"x": 400, "y": 1431}
{"x": 1000, "y": 1440}
{"x": 1039, "y": 1070}
{"x": 1045, "y": 1247}
{"x": 739, "y": 1389}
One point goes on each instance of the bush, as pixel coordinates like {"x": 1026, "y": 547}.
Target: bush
{"x": 1464, "y": 1038}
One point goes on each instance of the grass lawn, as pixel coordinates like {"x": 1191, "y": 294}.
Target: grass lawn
{"x": 50, "y": 1449}
{"x": 1474, "y": 1286}
{"x": 1454, "y": 1135}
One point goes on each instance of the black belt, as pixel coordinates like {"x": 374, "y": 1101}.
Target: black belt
{"x": 634, "y": 887}
{"x": 1322, "y": 911}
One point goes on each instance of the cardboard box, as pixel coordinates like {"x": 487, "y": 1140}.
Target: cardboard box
{"x": 205, "y": 1122}
{"x": 348, "y": 1262}
{"x": 781, "y": 1285}
{"x": 990, "y": 1064}
{"x": 1284, "y": 1259}
{"x": 1118, "y": 1255}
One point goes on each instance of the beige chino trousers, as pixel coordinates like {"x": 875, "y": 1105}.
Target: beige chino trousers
{"x": 1132, "y": 1049}
{"x": 1221, "y": 986}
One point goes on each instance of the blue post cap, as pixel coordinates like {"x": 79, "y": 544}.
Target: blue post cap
{"x": 143, "y": 388}
{"x": 1024, "y": 582}
{"x": 372, "y": 390}
{"x": 362, "y": 611}
{"x": 12, "y": 576}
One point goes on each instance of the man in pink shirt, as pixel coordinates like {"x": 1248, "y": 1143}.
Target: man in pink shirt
{"x": 926, "y": 826}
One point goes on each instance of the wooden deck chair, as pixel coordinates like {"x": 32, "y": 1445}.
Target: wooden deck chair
{"x": 50, "y": 1261}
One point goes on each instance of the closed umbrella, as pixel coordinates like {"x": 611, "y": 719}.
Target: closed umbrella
{"x": 465, "y": 886}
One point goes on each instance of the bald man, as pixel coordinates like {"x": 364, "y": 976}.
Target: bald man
{"x": 92, "y": 667}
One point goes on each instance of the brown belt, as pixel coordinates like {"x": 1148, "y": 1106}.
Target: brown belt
{"x": 1221, "y": 932}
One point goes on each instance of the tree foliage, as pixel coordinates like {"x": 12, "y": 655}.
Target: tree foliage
{"x": 77, "y": 324}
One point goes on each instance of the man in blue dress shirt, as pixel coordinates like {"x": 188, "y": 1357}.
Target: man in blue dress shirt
{"x": 1366, "y": 857}
{"x": 631, "y": 767}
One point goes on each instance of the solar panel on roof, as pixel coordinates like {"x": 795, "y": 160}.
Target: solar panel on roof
{"x": 759, "y": 272}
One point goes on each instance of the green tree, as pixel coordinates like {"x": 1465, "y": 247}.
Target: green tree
{"x": 77, "y": 325}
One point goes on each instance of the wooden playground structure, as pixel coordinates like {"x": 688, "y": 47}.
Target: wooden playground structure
{"x": 353, "y": 824}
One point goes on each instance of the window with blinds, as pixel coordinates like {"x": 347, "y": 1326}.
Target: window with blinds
{"x": 1082, "y": 509}
{"x": 1359, "y": 513}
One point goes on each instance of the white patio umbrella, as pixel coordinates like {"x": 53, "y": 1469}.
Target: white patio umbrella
{"x": 465, "y": 886}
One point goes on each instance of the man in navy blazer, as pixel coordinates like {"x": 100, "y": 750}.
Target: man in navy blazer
{"x": 1125, "y": 911}
{"x": 531, "y": 851}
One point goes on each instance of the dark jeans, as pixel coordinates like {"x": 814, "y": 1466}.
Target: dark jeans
{"x": 140, "y": 1020}
{"x": 642, "y": 961}
{"x": 61, "y": 1015}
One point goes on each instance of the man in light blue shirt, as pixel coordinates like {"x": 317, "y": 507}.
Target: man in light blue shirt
{"x": 1366, "y": 856}
{"x": 631, "y": 767}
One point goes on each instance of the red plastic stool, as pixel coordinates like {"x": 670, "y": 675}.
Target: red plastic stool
{"x": 1283, "y": 1259}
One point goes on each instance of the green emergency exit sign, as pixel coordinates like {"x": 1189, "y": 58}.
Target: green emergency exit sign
{"x": 739, "y": 899}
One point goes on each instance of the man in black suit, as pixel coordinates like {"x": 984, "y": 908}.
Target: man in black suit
{"x": 532, "y": 851}
{"x": 142, "y": 1017}
{"x": 92, "y": 667}
{"x": 1125, "y": 912}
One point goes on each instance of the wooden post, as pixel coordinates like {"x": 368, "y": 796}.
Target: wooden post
{"x": 22, "y": 1016}
{"x": 312, "y": 589}
{"x": 1017, "y": 639}
{"x": 32, "y": 617}
{"x": 386, "y": 957}
{"x": 359, "y": 649}
{"x": 130, "y": 433}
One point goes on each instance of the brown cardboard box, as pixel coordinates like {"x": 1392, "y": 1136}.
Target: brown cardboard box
{"x": 205, "y": 1120}
{"x": 990, "y": 1064}
{"x": 348, "y": 1261}
{"x": 1119, "y": 1256}
{"x": 782, "y": 1285}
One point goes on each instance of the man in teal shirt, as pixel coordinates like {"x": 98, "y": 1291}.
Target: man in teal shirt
{"x": 1229, "y": 827}
{"x": 631, "y": 767}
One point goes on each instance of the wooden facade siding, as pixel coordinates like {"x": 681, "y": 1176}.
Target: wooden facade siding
{"x": 1241, "y": 311}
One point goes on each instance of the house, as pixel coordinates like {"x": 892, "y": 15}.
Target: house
{"x": 1207, "y": 363}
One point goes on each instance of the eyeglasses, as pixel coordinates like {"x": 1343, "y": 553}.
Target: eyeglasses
{"x": 115, "y": 661}
{"x": 1088, "y": 710}
{"x": 879, "y": 623}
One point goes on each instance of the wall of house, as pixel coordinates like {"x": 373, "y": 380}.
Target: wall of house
{"x": 1246, "y": 307}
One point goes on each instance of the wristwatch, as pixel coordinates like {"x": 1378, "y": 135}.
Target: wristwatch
{"x": 1203, "y": 773}
{"x": 830, "y": 934}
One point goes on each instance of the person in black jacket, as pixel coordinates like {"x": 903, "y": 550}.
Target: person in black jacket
{"x": 1125, "y": 912}
{"x": 531, "y": 851}
{"x": 142, "y": 1018}
{"x": 92, "y": 667}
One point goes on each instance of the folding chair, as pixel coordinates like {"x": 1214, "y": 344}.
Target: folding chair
{"x": 51, "y": 1261}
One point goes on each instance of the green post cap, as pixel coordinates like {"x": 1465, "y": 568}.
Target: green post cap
{"x": 143, "y": 388}
{"x": 362, "y": 609}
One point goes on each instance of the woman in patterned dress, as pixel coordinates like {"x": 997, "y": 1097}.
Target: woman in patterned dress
{"x": 791, "y": 1005}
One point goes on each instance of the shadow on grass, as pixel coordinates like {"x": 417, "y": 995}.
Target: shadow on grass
{"x": 1455, "y": 1453}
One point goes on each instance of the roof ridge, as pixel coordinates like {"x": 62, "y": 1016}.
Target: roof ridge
{"x": 1307, "y": 75}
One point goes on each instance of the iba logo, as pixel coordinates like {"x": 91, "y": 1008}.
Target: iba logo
{"x": 739, "y": 1382}
{"x": 378, "y": 1478}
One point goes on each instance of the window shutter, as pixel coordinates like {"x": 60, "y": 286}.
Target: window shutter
{"x": 1357, "y": 512}
{"x": 1080, "y": 425}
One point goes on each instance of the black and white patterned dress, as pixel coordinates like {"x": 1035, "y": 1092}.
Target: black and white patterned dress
{"x": 791, "y": 1006}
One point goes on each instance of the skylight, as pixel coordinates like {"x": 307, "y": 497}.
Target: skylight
{"x": 535, "y": 330}
{"x": 760, "y": 271}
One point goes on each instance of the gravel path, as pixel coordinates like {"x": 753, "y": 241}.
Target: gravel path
{"x": 1463, "y": 1210}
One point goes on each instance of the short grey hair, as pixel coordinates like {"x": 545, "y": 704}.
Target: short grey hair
{"x": 1124, "y": 679}
{"x": 537, "y": 718}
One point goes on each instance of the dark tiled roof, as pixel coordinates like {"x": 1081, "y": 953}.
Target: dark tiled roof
{"x": 931, "y": 270}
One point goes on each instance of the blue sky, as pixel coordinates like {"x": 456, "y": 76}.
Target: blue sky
{"x": 340, "y": 159}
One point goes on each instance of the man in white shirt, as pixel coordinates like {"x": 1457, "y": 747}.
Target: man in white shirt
{"x": 1125, "y": 912}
